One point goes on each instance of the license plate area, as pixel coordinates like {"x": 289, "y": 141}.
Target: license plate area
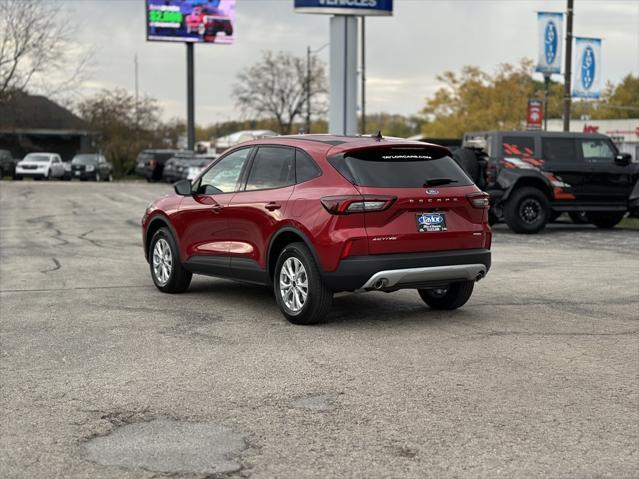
{"x": 431, "y": 222}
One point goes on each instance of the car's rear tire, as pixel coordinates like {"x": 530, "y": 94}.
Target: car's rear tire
{"x": 168, "y": 274}
{"x": 300, "y": 291}
{"x": 467, "y": 159}
{"x": 527, "y": 211}
{"x": 452, "y": 297}
{"x": 605, "y": 219}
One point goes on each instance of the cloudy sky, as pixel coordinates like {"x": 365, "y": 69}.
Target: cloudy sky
{"x": 405, "y": 52}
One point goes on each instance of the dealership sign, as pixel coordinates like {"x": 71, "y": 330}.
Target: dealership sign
{"x": 549, "y": 36}
{"x": 196, "y": 21}
{"x": 587, "y": 82}
{"x": 345, "y": 7}
{"x": 535, "y": 114}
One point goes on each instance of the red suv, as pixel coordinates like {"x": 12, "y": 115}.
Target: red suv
{"x": 312, "y": 215}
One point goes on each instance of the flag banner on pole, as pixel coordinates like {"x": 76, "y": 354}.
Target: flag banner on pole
{"x": 550, "y": 27}
{"x": 587, "y": 81}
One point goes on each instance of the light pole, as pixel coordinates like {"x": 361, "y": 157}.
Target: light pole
{"x": 309, "y": 54}
{"x": 568, "y": 69}
{"x": 546, "y": 86}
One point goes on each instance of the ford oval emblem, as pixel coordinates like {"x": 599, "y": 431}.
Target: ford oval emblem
{"x": 588, "y": 67}
{"x": 432, "y": 192}
{"x": 550, "y": 42}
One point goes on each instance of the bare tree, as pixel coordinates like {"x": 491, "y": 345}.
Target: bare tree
{"x": 276, "y": 87}
{"x": 37, "y": 48}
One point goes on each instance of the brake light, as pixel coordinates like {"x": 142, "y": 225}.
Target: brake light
{"x": 479, "y": 200}
{"x": 152, "y": 163}
{"x": 346, "y": 205}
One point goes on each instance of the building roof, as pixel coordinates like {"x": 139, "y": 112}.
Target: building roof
{"x": 34, "y": 113}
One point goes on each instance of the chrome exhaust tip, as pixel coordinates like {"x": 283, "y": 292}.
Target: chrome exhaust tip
{"x": 380, "y": 283}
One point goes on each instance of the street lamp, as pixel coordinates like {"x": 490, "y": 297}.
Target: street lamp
{"x": 310, "y": 52}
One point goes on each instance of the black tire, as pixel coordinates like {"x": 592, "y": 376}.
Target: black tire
{"x": 579, "y": 217}
{"x": 319, "y": 298}
{"x": 453, "y": 297}
{"x": 605, "y": 219}
{"x": 179, "y": 278}
{"x": 467, "y": 159}
{"x": 527, "y": 210}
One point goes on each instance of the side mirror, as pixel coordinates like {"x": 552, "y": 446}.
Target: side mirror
{"x": 623, "y": 159}
{"x": 183, "y": 188}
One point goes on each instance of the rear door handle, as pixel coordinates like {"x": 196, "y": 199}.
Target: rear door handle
{"x": 272, "y": 206}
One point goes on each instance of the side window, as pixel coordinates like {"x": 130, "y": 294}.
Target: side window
{"x": 597, "y": 151}
{"x": 223, "y": 177}
{"x": 305, "y": 167}
{"x": 56, "y": 159}
{"x": 519, "y": 146}
{"x": 559, "y": 150}
{"x": 272, "y": 168}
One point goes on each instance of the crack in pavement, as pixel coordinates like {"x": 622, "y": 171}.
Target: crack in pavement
{"x": 56, "y": 266}
{"x": 84, "y": 235}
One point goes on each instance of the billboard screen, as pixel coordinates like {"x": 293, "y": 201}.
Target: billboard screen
{"x": 345, "y": 7}
{"x": 202, "y": 21}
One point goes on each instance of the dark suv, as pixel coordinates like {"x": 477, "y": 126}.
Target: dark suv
{"x": 150, "y": 163}
{"x": 7, "y": 164}
{"x": 533, "y": 177}
{"x": 312, "y": 215}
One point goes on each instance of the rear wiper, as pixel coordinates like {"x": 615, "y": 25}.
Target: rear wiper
{"x": 439, "y": 181}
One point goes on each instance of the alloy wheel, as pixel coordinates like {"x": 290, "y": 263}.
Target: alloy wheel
{"x": 530, "y": 210}
{"x": 293, "y": 284}
{"x": 162, "y": 261}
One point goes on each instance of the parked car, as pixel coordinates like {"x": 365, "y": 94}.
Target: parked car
{"x": 180, "y": 168}
{"x": 150, "y": 163}
{"x": 91, "y": 166}
{"x": 533, "y": 177}
{"x": 223, "y": 143}
{"x": 175, "y": 165}
{"x": 7, "y": 164}
{"x": 312, "y": 215}
{"x": 40, "y": 166}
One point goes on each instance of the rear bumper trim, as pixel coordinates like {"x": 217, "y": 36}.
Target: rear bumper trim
{"x": 356, "y": 271}
{"x": 394, "y": 279}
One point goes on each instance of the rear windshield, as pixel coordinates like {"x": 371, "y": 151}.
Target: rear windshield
{"x": 84, "y": 159}
{"x": 400, "y": 168}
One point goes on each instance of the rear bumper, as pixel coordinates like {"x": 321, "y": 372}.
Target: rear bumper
{"x": 409, "y": 270}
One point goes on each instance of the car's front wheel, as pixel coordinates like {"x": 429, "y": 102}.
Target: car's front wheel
{"x": 527, "y": 211}
{"x": 169, "y": 276}
{"x": 452, "y": 296}
{"x": 300, "y": 291}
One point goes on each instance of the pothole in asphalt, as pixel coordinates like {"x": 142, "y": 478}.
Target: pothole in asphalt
{"x": 170, "y": 446}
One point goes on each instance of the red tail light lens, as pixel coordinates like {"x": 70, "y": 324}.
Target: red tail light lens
{"x": 346, "y": 205}
{"x": 479, "y": 200}
{"x": 152, "y": 163}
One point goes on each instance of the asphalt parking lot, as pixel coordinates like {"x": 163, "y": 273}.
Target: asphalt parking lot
{"x": 102, "y": 375}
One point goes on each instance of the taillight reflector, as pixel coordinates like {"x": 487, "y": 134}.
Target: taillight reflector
{"x": 346, "y": 205}
{"x": 479, "y": 200}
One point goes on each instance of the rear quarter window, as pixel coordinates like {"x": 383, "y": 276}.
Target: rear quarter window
{"x": 400, "y": 168}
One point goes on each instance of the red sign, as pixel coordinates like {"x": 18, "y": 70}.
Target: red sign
{"x": 535, "y": 115}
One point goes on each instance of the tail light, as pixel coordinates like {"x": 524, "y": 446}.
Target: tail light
{"x": 479, "y": 200}
{"x": 152, "y": 163}
{"x": 346, "y": 205}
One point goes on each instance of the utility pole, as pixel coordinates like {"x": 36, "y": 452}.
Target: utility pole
{"x": 190, "y": 97}
{"x": 363, "y": 75}
{"x": 568, "y": 69}
{"x": 137, "y": 97}
{"x": 308, "y": 89}
{"x": 546, "y": 86}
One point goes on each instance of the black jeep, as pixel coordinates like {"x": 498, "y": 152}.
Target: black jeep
{"x": 532, "y": 177}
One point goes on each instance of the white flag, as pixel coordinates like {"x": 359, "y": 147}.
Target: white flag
{"x": 587, "y": 77}
{"x": 550, "y": 28}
